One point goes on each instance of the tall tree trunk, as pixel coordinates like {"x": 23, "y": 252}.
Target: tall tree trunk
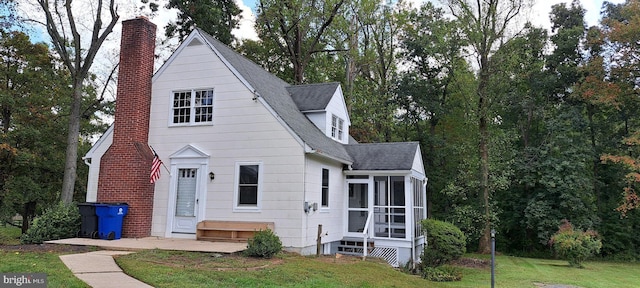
{"x": 28, "y": 212}
{"x": 73, "y": 136}
{"x": 484, "y": 246}
{"x": 78, "y": 60}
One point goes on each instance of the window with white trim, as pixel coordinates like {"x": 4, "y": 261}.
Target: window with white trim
{"x": 192, "y": 107}
{"x": 325, "y": 189}
{"x": 337, "y": 127}
{"x": 248, "y": 185}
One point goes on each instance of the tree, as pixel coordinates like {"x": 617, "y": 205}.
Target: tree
{"x": 77, "y": 57}
{"x": 622, "y": 29}
{"x": 485, "y": 24}
{"x": 216, "y": 17}
{"x": 32, "y": 134}
{"x": 371, "y": 67}
{"x": 299, "y": 28}
{"x": 433, "y": 90}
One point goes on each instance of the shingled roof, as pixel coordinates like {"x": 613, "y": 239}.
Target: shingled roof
{"x": 383, "y": 156}
{"x": 313, "y": 97}
{"x": 275, "y": 92}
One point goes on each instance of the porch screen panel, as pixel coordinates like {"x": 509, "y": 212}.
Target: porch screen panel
{"x": 397, "y": 220}
{"x": 418, "y": 205}
{"x": 186, "y": 194}
{"x": 389, "y": 207}
{"x": 380, "y": 210}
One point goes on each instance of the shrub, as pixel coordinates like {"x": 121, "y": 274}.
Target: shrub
{"x": 445, "y": 242}
{"x": 58, "y": 222}
{"x": 575, "y": 246}
{"x": 442, "y": 274}
{"x": 264, "y": 244}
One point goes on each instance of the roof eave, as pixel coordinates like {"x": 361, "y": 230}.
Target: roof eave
{"x": 310, "y": 150}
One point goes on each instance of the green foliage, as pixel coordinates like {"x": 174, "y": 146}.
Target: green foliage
{"x": 58, "y": 222}
{"x": 217, "y": 18}
{"x": 575, "y": 246}
{"x": 264, "y": 244}
{"x": 33, "y": 94}
{"x": 442, "y": 274}
{"x": 445, "y": 242}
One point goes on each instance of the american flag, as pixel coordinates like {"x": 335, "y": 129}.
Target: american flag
{"x": 155, "y": 168}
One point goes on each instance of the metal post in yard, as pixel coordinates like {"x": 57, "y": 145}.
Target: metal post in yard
{"x": 493, "y": 258}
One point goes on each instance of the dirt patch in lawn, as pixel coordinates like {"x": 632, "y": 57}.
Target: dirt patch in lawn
{"x": 543, "y": 285}
{"x": 472, "y": 263}
{"x": 204, "y": 261}
{"x": 48, "y": 248}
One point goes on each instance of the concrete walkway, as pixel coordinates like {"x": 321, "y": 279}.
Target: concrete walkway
{"x": 99, "y": 270}
{"x": 135, "y": 244}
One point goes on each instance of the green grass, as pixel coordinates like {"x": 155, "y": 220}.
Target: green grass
{"x": 192, "y": 269}
{"x": 159, "y": 269}
{"x": 58, "y": 275}
{"x": 188, "y": 269}
{"x": 10, "y": 235}
{"x": 524, "y": 272}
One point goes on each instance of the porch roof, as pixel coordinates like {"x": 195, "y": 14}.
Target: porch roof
{"x": 383, "y": 156}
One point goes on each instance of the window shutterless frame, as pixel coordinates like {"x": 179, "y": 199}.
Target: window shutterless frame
{"x": 191, "y": 107}
{"x": 247, "y": 195}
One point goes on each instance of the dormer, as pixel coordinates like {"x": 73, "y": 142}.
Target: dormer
{"x": 324, "y": 105}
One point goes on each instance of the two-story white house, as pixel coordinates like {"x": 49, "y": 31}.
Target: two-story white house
{"x": 241, "y": 144}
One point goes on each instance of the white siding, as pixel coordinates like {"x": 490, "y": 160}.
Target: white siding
{"x": 242, "y": 130}
{"x": 96, "y": 152}
{"x": 418, "y": 165}
{"x": 320, "y": 120}
{"x": 337, "y": 107}
{"x": 331, "y": 218}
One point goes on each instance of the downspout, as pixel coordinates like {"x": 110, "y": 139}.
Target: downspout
{"x": 304, "y": 198}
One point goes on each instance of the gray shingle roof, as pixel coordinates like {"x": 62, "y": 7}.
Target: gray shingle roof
{"x": 383, "y": 156}
{"x": 274, "y": 91}
{"x": 313, "y": 97}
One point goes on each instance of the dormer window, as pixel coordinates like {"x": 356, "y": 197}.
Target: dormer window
{"x": 337, "y": 127}
{"x": 192, "y": 107}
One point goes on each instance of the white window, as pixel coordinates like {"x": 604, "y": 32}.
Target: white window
{"x": 248, "y": 186}
{"x": 192, "y": 107}
{"x": 337, "y": 127}
{"x": 325, "y": 189}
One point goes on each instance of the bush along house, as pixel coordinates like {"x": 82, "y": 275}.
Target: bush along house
{"x": 245, "y": 151}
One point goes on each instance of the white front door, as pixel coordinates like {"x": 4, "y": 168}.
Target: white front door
{"x": 186, "y": 207}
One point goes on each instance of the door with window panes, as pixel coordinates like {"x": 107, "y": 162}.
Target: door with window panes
{"x": 186, "y": 207}
{"x": 357, "y": 206}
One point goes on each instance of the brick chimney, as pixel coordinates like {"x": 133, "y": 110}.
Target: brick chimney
{"x": 125, "y": 167}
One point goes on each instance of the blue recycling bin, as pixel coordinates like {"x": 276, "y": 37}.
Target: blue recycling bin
{"x": 110, "y": 217}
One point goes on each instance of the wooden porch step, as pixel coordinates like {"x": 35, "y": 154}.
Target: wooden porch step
{"x": 354, "y": 246}
{"x": 229, "y": 231}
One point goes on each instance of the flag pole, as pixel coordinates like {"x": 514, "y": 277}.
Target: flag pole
{"x": 161, "y": 162}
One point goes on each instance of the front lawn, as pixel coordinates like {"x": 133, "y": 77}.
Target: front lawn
{"x": 193, "y": 269}
{"x": 58, "y": 275}
{"x": 189, "y": 269}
